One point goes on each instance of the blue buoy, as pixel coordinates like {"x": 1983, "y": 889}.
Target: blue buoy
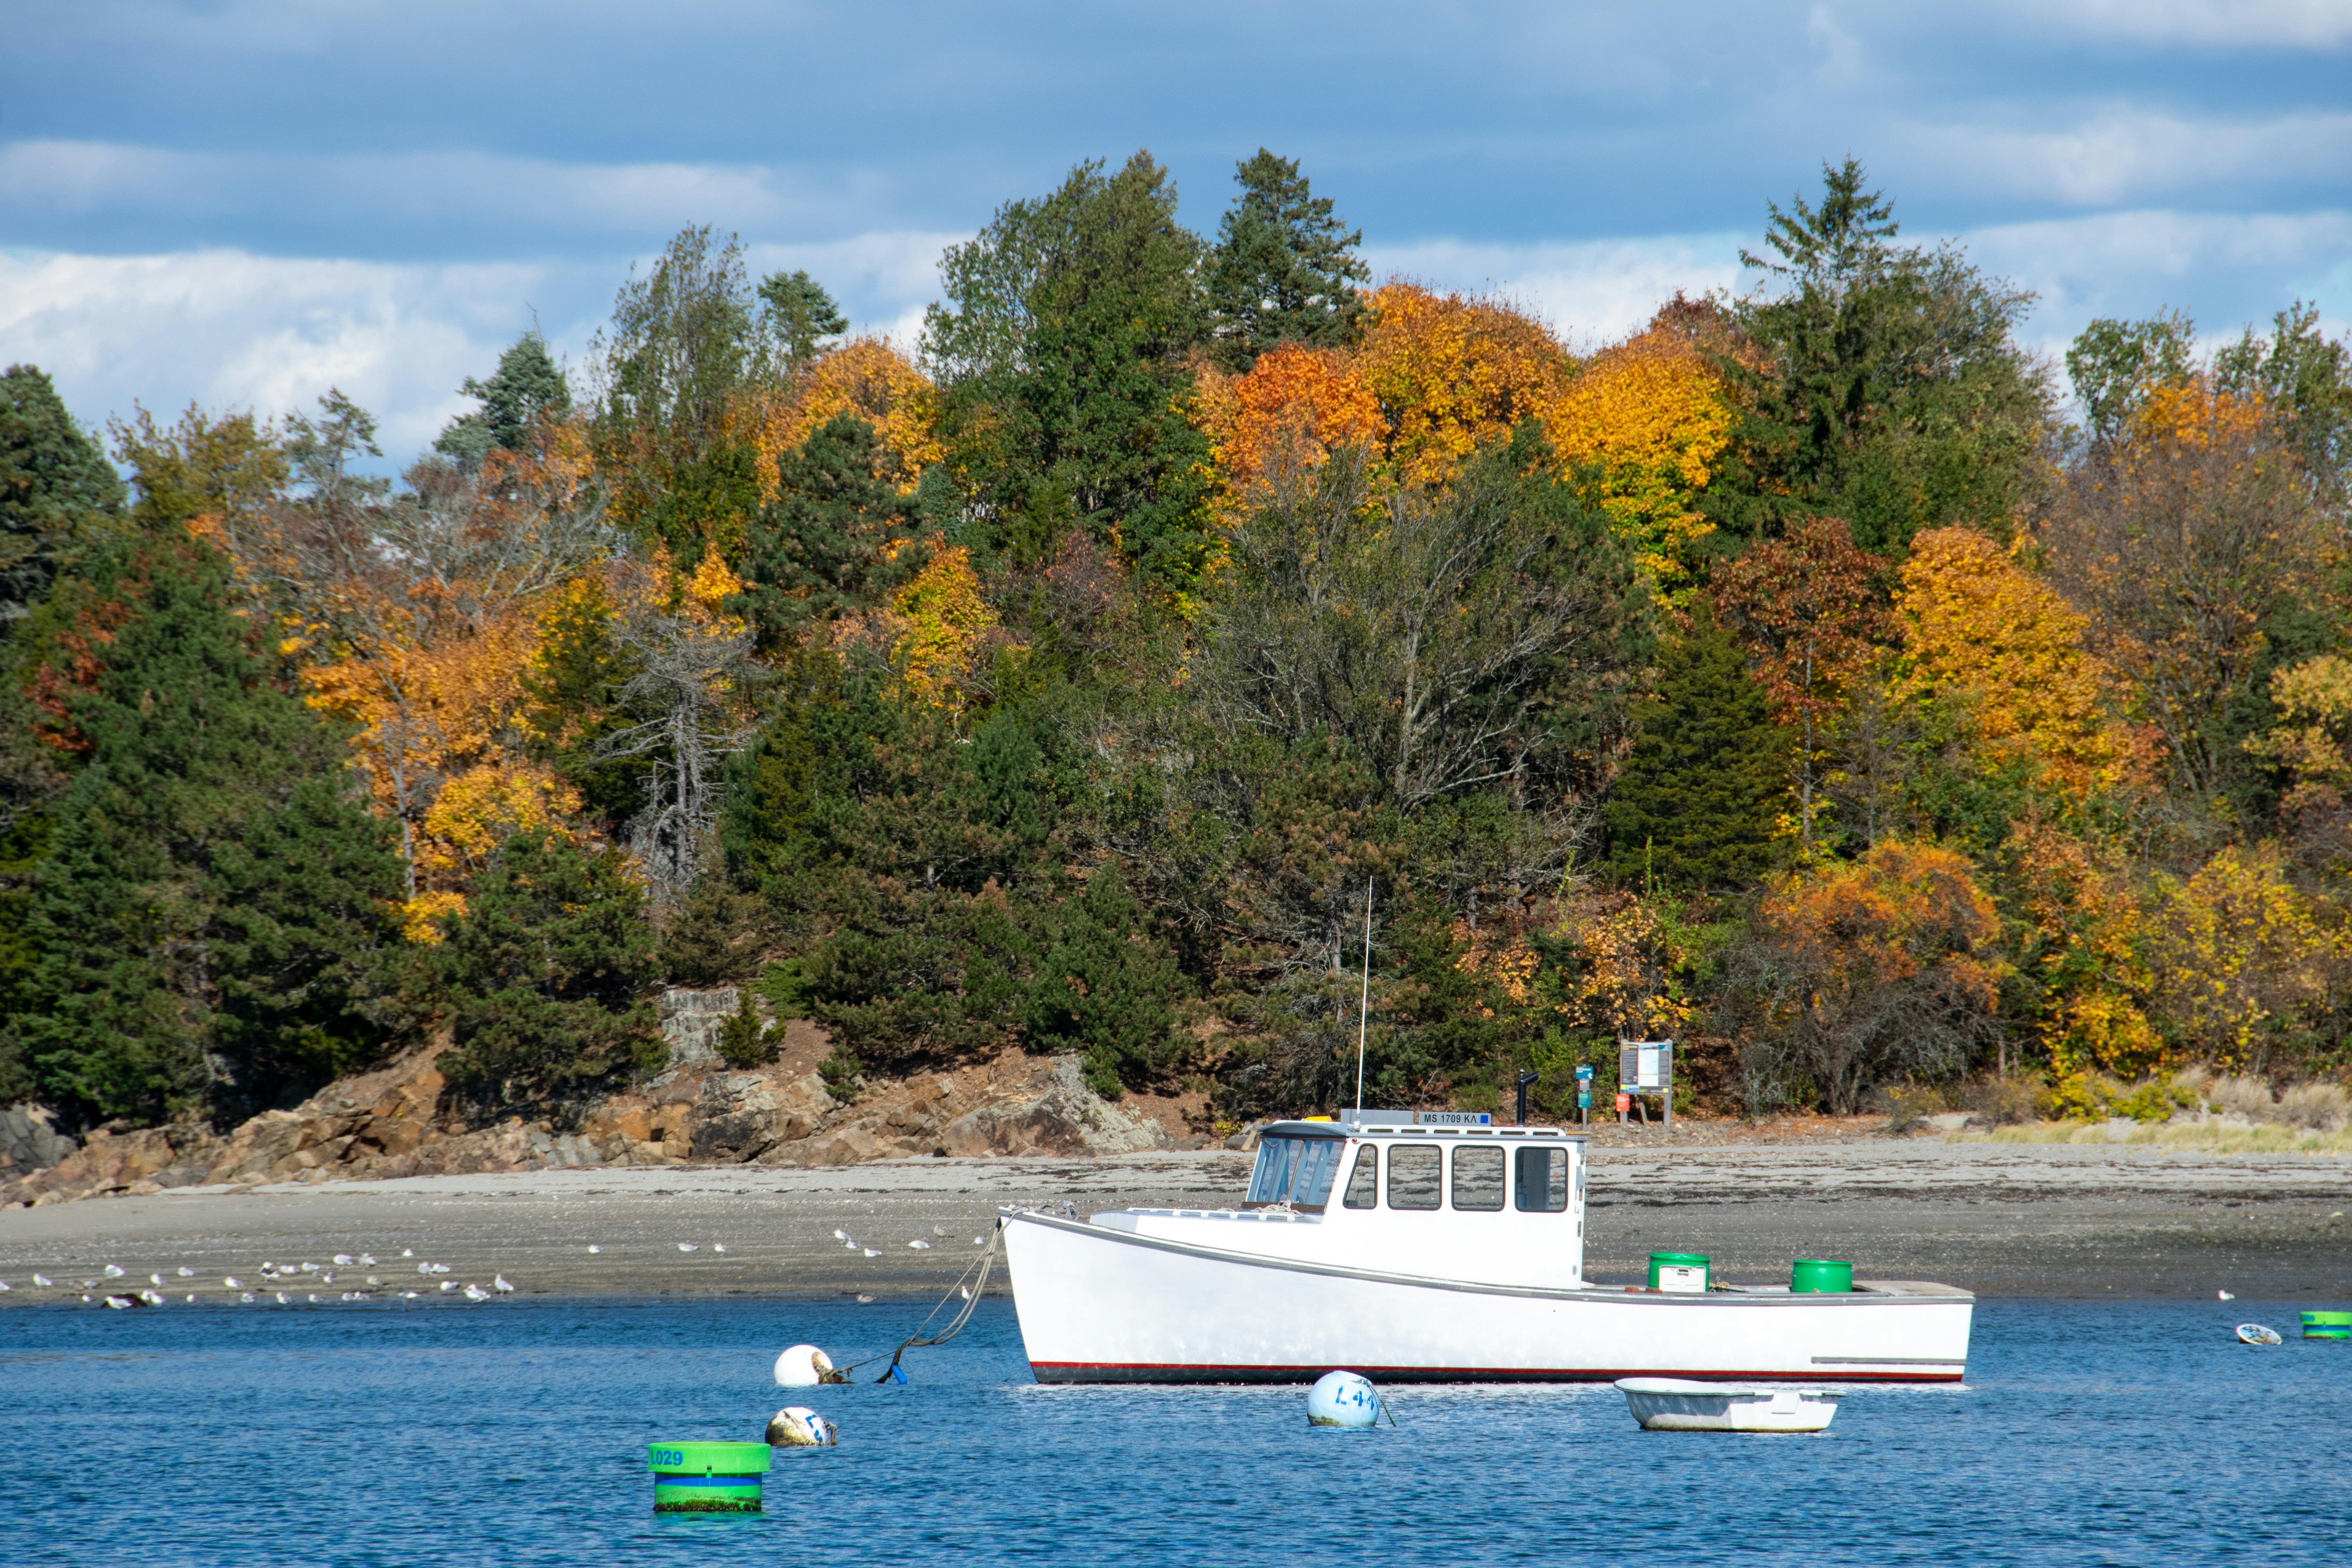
{"x": 1342, "y": 1399}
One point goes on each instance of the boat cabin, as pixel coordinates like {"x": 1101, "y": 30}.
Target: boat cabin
{"x": 1439, "y": 1195}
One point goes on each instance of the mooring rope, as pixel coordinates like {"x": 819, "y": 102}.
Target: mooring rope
{"x": 920, "y": 1339}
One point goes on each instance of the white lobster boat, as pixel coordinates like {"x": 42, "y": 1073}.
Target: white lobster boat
{"x": 1429, "y": 1247}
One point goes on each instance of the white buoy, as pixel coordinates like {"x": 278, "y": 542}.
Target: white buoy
{"x": 802, "y": 1366}
{"x": 797, "y": 1427}
{"x": 1343, "y": 1399}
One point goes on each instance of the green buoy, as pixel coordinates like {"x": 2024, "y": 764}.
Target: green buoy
{"x": 1681, "y": 1272}
{"x": 1822, "y": 1277}
{"x": 2328, "y": 1325}
{"x": 706, "y": 1478}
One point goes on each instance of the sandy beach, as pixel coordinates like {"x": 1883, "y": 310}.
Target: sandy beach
{"x": 2063, "y": 1220}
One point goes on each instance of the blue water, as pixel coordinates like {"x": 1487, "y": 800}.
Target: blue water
{"x": 514, "y": 1434}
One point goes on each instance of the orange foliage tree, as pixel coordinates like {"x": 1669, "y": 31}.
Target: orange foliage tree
{"x": 1865, "y": 970}
{"x": 1452, "y": 374}
{"x": 1289, "y": 413}
{"x": 865, "y": 377}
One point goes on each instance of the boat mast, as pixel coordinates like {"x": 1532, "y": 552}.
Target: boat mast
{"x": 1364, "y": 1007}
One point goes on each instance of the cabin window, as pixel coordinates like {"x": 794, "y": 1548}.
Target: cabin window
{"x": 1479, "y": 1178}
{"x": 1364, "y": 1180}
{"x": 1296, "y": 1170}
{"x": 1542, "y": 1185}
{"x": 1413, "y": 1175}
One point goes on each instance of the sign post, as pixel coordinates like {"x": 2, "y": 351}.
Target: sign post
{"x": 1584, "y": 1094}
{"x": 1646, "y": 1068}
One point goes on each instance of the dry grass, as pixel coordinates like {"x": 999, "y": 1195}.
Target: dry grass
{"x": 2210, "y": 1137}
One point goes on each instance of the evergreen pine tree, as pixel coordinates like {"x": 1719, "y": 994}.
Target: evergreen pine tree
{"x": 54, "y": 480}
{"x": 528, "y": 386}
{"x": 1703, "y": 785}
{"x": 801, "y": 315}
{"x": 212, "y": 919}
{"x": 1107, "y": 986}
{"x": 821, "y": 545}
{"x": 1284, "y": 269}
{"x": 548, "y": 970}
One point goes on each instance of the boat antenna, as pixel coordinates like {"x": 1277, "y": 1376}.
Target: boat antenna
{"x": 1364, "y": 1008}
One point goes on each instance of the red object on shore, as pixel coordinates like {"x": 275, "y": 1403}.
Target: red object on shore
{"x": 1625, "y": 1103}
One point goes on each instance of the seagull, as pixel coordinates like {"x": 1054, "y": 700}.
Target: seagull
{"x": 424, "y": 1268}
{"x": 408, "y": 1295}
{"x": 326, "y": 1278}
{"x": 233, "y": 1282}
{"x": 43, "y": 1279}
{"x": 920, "y": 1245}
{"x": 476, "y": 1293}
{"x": 342, "y": 1260}
{"x": 309, "y": 1269}
{"x": 314, "y": 1297}
{"x": 374, "y": 1280}
{"x": 154, "y": 1279}
{"x": 447, "y": 1285}
{"x": 499, "y": 1283}
{"x": 192, "y": 1298}
{"x": 976, "y": 1241}
{"x": 151, "y": 1298}
{"x": 938, "y": 1230}
{"x": 871, "y": 1252}
{"x": 405, "y": 1252}
{"x": 864, "y": 1300}
{"x": 112, "y": 1272}
{"x": 595, "y": 1249}
{"x": 186, "y": 1272}
{"x": 282, "y": 1300}
{"x": 118, "y": 1302}
{"x": 685, "y": 1246}
{"x": 247, "y": 1299}
{"x": 2225, "y": 1295}
{"x": 839, "y": 1233}
{"x": 4, "y": 1284}
{"x": 965, "y": 1291}
{"x": 366, "y": 1262}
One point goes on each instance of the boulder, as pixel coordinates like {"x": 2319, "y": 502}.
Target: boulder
{"x": 1058, "y": 1114}
{"x": 27, "y": 1141}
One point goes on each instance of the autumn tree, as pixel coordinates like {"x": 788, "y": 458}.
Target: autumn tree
{"x": 2115, "y": 365}
{"x": 1454, "y": 374}
{"x": 1284, "y": 269}
{"x": 1810, "y": 609}
{"x": 1864, "y": 971}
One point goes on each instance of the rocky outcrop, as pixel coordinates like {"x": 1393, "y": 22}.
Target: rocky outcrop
{"x": 691, "y": 1020}
{"x": 27, "y": 1141}
{"x": 393, "y": 1123}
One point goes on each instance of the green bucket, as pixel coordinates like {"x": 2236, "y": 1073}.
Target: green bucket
{"x": 706, "y": 1478}
{"x": 1678, "y": 1271}
{"x": 2328, "y": 1325}
{"x": 1820, "y": 1277}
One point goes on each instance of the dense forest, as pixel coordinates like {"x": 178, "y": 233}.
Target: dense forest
{"x": 1819, "y": 678}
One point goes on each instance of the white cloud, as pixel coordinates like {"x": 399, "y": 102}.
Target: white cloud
{"x": 2242, "y": 23}
{"x": 231, "y": 330}
{"x": 1592, "y": 292}
{"x": 83, "y": 177}
{"x": 2122, "y": 154}
{"x": 1841, "y": 62}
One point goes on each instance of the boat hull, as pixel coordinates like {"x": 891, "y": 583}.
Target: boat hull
{"x": 1098, "y": 1305}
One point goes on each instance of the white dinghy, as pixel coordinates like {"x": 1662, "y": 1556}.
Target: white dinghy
{"x": 1427, "y": 1247}
{"x": 1679, "y": 1404}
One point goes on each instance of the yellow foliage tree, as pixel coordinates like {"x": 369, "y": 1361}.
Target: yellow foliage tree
{"x": 1452, "y": 374}
{"x": 2234, "y": 953}
{"x": 867, "y": 377}
{"x": 1293, "y": 408}
{"x": 1641, "y": 426}
{"x": 1981, "y": 631}
{"x": 943, "y": 627}
{"x": 2314, "y": 700}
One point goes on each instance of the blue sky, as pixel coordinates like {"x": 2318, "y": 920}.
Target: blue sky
{"x": 245, "y": 201}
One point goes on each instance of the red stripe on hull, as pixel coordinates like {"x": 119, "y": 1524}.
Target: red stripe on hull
{"x": 1146, "y": 1372}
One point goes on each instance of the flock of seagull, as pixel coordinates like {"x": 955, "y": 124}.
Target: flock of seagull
{"x": 273, "y": 1275}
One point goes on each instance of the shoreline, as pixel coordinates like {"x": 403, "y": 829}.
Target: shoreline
{"x": 2125, "y": 1221}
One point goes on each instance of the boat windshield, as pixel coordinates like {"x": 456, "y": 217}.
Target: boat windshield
{"x": 1297, "y": 1170}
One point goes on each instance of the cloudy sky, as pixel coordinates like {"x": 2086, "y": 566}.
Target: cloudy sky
{"x": 243, "y": 202}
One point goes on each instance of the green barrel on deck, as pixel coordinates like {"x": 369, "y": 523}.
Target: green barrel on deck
{"x": 1672, "y": 1270}
{"x": 1820, "y": 1277}
{"x": 706, "y": 1478}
